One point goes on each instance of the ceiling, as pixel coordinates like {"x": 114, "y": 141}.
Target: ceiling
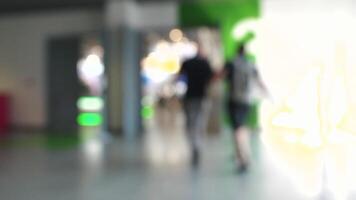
{"x": 16, "y": 6}
{"x": 20, "y": 6}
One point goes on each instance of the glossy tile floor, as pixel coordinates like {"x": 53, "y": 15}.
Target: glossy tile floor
{"x": 154, "y": 167}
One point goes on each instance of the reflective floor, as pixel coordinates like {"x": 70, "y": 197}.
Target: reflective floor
{"x": 153, "y": 167}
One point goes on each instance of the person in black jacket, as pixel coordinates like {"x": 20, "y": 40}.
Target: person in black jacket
{"x": 198, "y": 74}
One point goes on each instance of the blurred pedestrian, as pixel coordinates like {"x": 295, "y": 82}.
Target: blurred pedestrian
{"x": 241, "y": 74}
{"x": 198, "y": 73}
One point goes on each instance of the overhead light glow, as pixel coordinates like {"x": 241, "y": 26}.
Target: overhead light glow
{"x": 91, "y": 67}
{"x": 90, "y": 104}
{"x": 165, "y": 58}
{"x": 176, "y": 35}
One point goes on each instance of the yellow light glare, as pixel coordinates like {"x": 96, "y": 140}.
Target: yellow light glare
{"x": 171, "y": 66}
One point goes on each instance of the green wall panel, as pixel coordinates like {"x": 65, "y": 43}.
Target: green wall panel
{"x": 225, "y": 15}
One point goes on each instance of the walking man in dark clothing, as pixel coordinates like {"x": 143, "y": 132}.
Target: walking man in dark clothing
{"x": 241, "y": 76}
{"x": 198, "y": 73}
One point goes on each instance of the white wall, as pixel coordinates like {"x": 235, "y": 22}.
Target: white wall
{"x": 23, "y": 57}
{"x": 294, "y": 36}
{"x": 307, "y": 54}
